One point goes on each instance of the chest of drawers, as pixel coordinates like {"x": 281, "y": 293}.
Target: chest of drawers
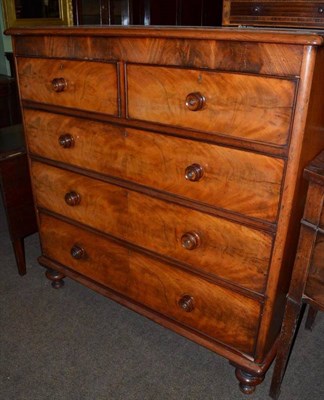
{"x": 167, "y": 171}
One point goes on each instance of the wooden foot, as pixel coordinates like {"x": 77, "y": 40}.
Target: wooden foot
{"x": 56, "y": 278}
{"x": 248, "y": 382}
{"x": 19, "y": 250}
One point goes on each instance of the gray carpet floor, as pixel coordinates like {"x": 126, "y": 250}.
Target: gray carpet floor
{"x": 74, "y": 344}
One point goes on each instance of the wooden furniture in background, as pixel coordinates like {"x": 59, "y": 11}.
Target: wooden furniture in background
{"x": 307, "y": 284}
{"x": 166, "y": 165}
{"x": 9, "y": 102}
{"x": 37, "y": 12}
{"x": 16, "y": 190}
{"x": 289, "y": 13}
{"x": 148, "y": 12}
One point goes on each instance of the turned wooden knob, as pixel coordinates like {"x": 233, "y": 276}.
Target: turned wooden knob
{"x": 256, "y": 9}
{"x": 194, "y": 172}
{"x": 59, "y": 84}
{"x": 195, "y": 101}
{"x": 187, "y": 303}
{"x": 72, "y": 198}
{"x": 190, "y": 240}
{"x": 66, "y": 141}
{"x": 77, "y": 252}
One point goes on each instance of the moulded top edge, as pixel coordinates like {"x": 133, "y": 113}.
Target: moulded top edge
{"x": 246, "y": 34}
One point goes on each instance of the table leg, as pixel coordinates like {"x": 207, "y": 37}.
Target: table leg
{"x": 19, "y": 249}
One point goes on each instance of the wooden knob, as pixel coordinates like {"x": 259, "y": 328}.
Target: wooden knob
{"x": 190, "y": 240}
{"x": 77, "y": 252}
{"x": 72, "y": 198}
{"x": 66, "y": 141}
{"x": 195, "y": 101}
{"x": 256, "y": 9}
{"x": 59, "y": 84}
{"x": 194, "y": 172}
{"x": 187, "y": 303}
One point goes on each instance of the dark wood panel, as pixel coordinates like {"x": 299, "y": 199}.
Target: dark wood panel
{"x": 161, "y": 228}
{"x": 274, "y": 13}
{"x": 148, "y": 12}
{"x": 155, "y": 284}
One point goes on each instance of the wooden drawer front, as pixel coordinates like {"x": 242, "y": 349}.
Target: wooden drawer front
{"x": 315, "y": 280}
{"x": 229, "y": 176}
{"x": 220, "y": 248}
{"x": 217, "y": 312}
{"x": 287, "y": 13}
{"x": 245, "y": 106}
{"x": 89, "y": 85}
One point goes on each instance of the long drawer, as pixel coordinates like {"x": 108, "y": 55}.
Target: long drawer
{"x": 239, "y": 181}
{"x": 245, "y": 106}
{"x": 181, "y": 296}
{"x": 211, "y": 245}
{"x": 85, "y": 85}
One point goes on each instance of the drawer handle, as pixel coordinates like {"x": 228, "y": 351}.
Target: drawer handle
{"x": 320, "y": 10}
{"x": 59, "y": 84}
{"x": 78, "y": 252}
{"x": 72, "y": 198}
{"x": 66, "y": 141}
{"x": 186, "y": 303}
{"x": 256, "y": 9}
{"x": 190, "y": 240}
{"x": 195, "y": 101}
{"x": 194, "y": 172}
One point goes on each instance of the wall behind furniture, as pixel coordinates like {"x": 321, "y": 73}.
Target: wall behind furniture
{"x": 5, "y": 46}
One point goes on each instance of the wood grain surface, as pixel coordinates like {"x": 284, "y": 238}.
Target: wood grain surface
{"x": 228, "y": 250}
{"x": 250, "y": 107}
{"x": 90, "y": 85}
{"x": 160, "y": 161}
{"x": 155, "y": 284}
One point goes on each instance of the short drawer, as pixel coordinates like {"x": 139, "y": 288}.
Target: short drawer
{"x": 251, "y": 107}
{"x": 214, "y": 311}
{"x": 74, "y": 84}
{"x": 274, "y": 13}
{"x": 213, "y": 246}
{"x": 239, "y": 181}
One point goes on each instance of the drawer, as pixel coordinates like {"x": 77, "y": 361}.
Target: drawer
{"x": 274, "y": 13}
{"x": 251, "y": 107}
{"x": 210, "y": 245}
{"x": 315, "y": 280}
{"x": 217, "y": 312}
{"x": 226, "y": 178}
{"x": 75, "y": 84}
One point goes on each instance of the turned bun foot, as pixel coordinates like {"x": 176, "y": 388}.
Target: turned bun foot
{"x": 56, "y": 278}
{"x": 248, "y": 382}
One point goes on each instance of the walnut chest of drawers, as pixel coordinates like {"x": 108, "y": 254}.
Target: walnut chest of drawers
{"x": 167, "y": 171}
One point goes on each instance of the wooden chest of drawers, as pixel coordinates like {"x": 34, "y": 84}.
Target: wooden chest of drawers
{"x": 167, "y": 171}
{"x": 289, "y": 13}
